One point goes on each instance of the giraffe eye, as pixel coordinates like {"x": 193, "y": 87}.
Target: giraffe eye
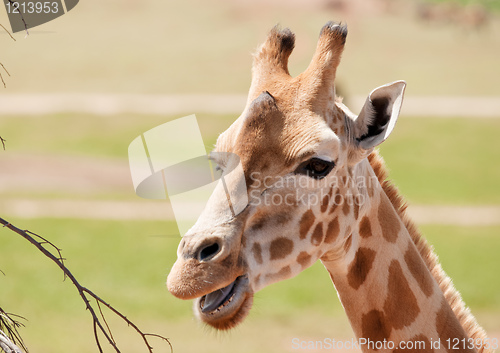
{"x": 315, "y": 168}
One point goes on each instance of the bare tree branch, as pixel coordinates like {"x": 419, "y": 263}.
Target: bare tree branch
{"x": 2, "y": 139}
{"x": 85, "y": 293}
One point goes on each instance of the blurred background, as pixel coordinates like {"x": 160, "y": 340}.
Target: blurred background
{"x": 83, "y": 86}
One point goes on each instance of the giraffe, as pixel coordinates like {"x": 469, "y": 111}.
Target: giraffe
{"x": 302, "y": 149}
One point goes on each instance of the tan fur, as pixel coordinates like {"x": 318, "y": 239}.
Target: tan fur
{"x": 466, "y": 319}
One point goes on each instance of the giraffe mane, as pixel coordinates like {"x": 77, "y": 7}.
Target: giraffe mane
{"x": 426, "y": 251}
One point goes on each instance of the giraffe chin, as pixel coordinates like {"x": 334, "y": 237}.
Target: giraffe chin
{"x": 233, "y": 308}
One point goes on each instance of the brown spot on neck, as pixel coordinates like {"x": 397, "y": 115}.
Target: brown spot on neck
{"x": 419, "y": 271}
{"x": 449, "y": 328}
{"x": 317, "y": 236}
{"x": 280, "y": 248}
{"x": 365, "y": 228}
{"x": 389, "y": 221}
{"x": 400, "y": 307}
{"x": 304, "y": 259}
{"x": 374, "y": 326}
{"x": 360, "y": 267}
{"x": 332, "y": 231}
{"x": 306, "y": 223}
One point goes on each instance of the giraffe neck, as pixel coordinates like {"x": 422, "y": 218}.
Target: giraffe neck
{"x": 387, "y": 289}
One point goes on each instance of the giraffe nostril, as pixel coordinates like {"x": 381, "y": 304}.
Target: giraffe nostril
{"x": 209, "y": 251}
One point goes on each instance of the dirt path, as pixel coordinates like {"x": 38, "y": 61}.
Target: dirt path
{"x": 161, "y": 210}
{"x": 104, "y": 104}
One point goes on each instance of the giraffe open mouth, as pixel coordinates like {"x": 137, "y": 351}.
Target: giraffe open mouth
{"x": 227, "y": 306}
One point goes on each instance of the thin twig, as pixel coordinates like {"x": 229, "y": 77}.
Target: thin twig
{"x": 85, "y": 293}
{"x": 105, "y": 322}
{"x": 6, "y": 30}
{"x": 2, "y": 139}
{"x": 97, "y": 337}
{"x": 5, "y": 69}
{"x": 44, "y": 241}
{"x": 130, "y": 323}
{"x": 1, "y": 77}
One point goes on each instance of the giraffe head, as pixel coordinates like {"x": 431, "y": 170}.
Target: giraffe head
{"x": 300, "y": 149}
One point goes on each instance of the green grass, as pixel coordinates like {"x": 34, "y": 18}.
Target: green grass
{"x": 445, "y": 161}
{"x": 469, "y": 257}
{"x": 126, "y": 263}
{"x": 92, "y": 135}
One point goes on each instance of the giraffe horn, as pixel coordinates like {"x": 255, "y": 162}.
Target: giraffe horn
{"x": 322, "y": 70}
{"x": 271, "y": 58}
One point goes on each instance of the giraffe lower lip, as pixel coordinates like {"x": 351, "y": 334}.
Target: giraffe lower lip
{"x": 223, "y": 299}
{"x": 232, "y": 309}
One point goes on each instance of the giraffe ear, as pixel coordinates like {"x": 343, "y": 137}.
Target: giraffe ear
{"x": 379, "y": 115}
